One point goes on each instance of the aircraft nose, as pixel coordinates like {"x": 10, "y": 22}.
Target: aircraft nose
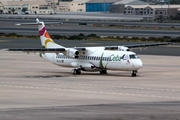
{"x": 138, "y": 64}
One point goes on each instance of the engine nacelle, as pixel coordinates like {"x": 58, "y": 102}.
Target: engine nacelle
{"x": 72, "y": 53}
{"x": 122, "y": 48}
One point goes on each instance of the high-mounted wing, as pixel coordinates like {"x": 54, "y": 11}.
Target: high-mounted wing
{"x": 69, "y": 52}
{"x": 45, "y": 50}
{"x": 135, "y": 46}
{"x": 147, "y": 45}
{"x": 37, "y": 50}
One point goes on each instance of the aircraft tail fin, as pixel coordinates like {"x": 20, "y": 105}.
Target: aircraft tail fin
{"x": 46, "y": 40}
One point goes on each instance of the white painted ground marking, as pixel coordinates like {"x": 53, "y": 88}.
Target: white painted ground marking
{"x": 118, "y": 86}
{"x": 92, "y": 91}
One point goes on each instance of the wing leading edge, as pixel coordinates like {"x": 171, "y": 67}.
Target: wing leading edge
{"x": 147, "y": 45}
{"x": 41, "y": 50}
{"x": 135, "y": 46}
{"x": 37, "y": 50}
{"x": 59, "y": 50}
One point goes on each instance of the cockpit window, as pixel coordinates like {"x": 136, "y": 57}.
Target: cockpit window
{"x": 133, "y": 56}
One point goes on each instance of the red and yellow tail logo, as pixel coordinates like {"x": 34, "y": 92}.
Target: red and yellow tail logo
{"x": 44, "y": 33}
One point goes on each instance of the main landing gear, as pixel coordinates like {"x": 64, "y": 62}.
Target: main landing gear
{"x": 134, "y": 73}
{"x": 103, "y": 72}
{"x": 76, "y": 72}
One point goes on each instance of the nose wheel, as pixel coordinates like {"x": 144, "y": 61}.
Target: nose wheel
{"x": 134, "y": 73}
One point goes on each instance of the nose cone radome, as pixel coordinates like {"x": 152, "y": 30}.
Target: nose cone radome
{"x": 138, "y": 64}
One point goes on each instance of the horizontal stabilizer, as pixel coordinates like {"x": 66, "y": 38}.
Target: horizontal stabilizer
{"x": 40, "y": 23}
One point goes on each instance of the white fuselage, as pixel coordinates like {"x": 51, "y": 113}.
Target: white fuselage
{"x": 96, "y": 59}
{"x": 87, "y": 58}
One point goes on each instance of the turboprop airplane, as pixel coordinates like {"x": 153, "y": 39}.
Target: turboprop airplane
{"x": 92, "y": 59}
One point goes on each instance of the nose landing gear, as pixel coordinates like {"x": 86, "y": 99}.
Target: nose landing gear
{"x": 134, "y": 73}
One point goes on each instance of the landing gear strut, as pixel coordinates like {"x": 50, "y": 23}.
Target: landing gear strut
{"x": 77, "y": 72}
{"x": 103, "y": 72}
{"x": 134, "y": 73}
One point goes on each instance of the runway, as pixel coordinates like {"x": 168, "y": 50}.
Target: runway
{"x": 69, "y": 29}
{"x": 80, "y": 16}
{"x": 33, "y": 88}
{"x": 99, "y": 32}
{"x": 76, "y": 22}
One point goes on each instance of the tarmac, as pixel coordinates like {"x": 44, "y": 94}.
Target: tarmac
{"x": 31, "y": 88}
